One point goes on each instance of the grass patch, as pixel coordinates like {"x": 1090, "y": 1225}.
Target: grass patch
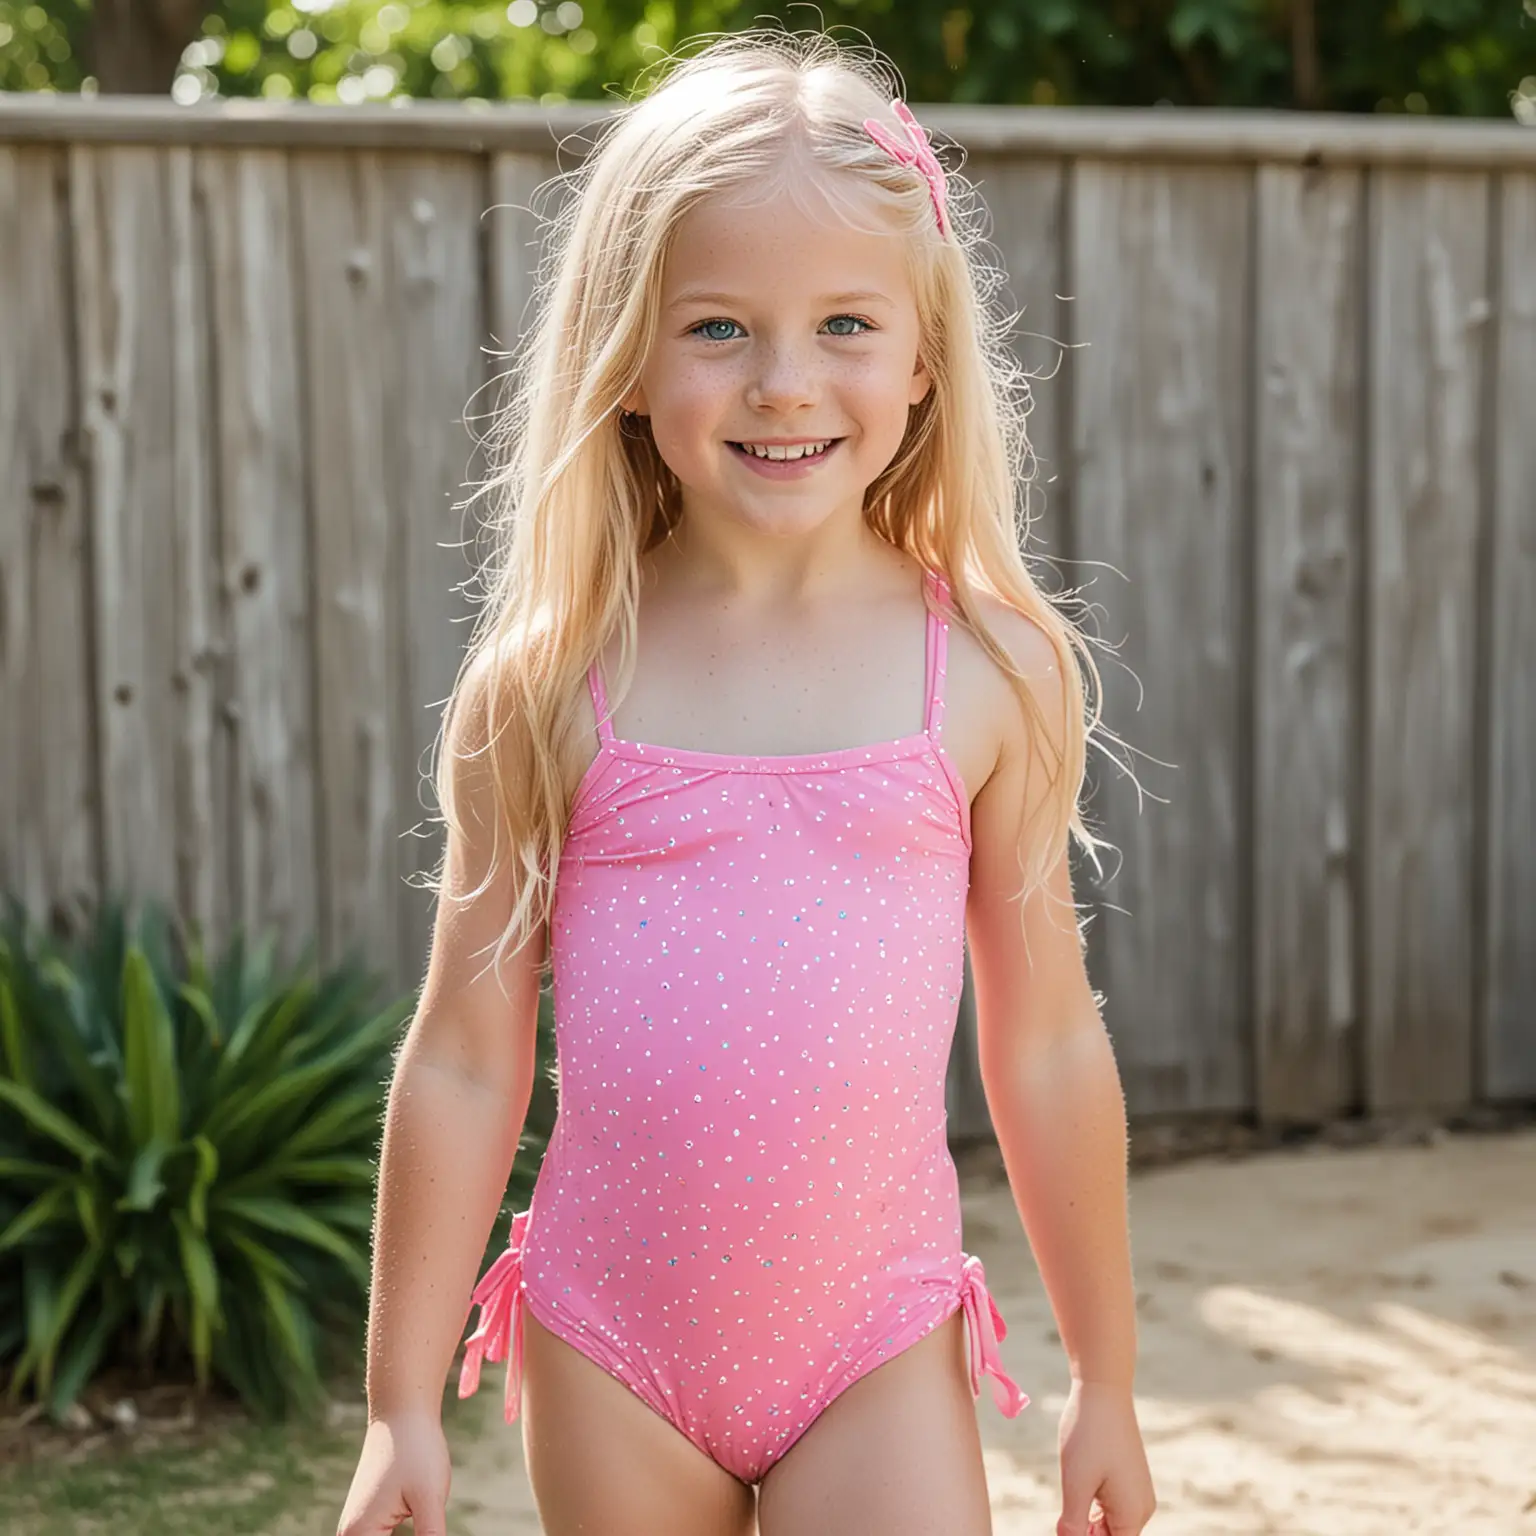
{"x": 226, "y": 1474}
{"x": 249, "y": 1480}
{"x": 242, "y": 1478}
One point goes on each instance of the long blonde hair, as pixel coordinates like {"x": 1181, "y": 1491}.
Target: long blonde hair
{"x": 574, "y": 502}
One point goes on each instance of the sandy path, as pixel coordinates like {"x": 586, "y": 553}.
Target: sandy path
{"x": 1334, "y": 1343}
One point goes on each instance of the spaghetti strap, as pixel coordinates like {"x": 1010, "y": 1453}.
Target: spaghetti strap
{"x": 937, "y": 653}
{"x": 599, "y": 701}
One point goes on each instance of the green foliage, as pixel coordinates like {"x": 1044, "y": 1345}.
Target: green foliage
{"x": 356, "y": 50}
{"x": 186, "y": 1159}
{"x": 1474, "y": 57}
{"x": 41, "y": 44}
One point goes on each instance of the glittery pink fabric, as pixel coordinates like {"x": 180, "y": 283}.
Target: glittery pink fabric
{"x": 748, "y": 1201}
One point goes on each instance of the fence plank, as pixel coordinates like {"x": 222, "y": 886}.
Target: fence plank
{"x": 201, "y": 737}
{"x": 1510, "y": 953}
{"x": 432, "y": 212}
{"x": 513, "y": 230}
{"x": 144, "y": 414}
{"x": 48, "y": 818}
{"x": 1026, "y": 201}
{"x": 1306, "y": 489}
{"x": 348, "y": 390}
{"x": 513, "y": 222}
{"x": 1026, "y": 204}
{"x": 1428, "y": 268}
{"x": 1161, "y": 287}
{"x": 264, "y": 554}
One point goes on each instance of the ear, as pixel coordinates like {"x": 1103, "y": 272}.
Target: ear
{"x": 635, "y": 401}
{"x": 922, "y": 382}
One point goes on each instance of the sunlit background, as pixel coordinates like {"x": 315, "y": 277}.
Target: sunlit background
{"x": 1461, "y": 57}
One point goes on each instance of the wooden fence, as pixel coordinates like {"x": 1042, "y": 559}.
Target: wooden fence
{"x": 1292, "y": 447}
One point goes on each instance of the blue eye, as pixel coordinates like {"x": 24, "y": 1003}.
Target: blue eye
{"x": 701, "y": 327}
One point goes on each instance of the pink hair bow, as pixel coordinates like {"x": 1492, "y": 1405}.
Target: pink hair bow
{"x": 918, "y": 153}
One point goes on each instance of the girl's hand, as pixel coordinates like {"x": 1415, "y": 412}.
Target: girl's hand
{"x": 1103, "y": 1461}
{"x": 402, "y": 1474}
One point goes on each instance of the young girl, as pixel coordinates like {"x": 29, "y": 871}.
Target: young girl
{"x": 765, "y": 714}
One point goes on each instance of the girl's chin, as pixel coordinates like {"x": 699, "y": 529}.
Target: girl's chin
{"x": 783, "y": 519}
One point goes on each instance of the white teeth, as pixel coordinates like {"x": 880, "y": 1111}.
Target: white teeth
{"x": 799, "y": 451}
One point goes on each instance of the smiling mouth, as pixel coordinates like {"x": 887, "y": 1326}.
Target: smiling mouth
{"x": 800, "y": 453}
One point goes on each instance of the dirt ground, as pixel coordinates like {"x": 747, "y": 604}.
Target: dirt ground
{"x": 1334, "y": 1343}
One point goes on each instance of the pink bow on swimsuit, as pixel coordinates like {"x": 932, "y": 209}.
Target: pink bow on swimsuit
{"x": 987, "y": 1328}
{"x": 501, "y": 1321}
{"x": 918, "y": 153}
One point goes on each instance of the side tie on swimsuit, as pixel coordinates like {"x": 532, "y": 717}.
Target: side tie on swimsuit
{"x": 987, "y": 1328}
{"x": 499, "y": 1297}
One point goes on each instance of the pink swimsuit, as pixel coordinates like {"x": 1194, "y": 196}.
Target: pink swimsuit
{"x": 748, "y": 1201}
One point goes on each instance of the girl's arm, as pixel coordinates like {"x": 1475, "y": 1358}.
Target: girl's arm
{"x": 457, "y": 1102}
{"x": 1054, "y": 1095}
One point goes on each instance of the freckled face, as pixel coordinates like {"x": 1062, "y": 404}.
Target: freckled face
{"x": 777, "y": 323}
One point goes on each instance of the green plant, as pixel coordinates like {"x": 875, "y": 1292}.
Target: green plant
{"x": 1464, "y": 57}
{"x": 186, "y": 1158}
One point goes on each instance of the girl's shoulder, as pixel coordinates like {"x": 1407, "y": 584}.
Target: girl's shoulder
{"x": 984, "y": 720}
{"x": 484, "y": 722}
{"x": 1024, "y": 640}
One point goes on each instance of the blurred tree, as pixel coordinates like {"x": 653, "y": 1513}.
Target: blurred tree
{"x": 1467, "y": 57}
{"x": 120, "y": 45}
{"x": 136, "y": 45}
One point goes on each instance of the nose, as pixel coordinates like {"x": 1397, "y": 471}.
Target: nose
{"x": 786, "y": 375}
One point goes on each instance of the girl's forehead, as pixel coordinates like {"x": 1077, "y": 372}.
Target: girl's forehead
{"x": 746, "y": 243}
{"x": 796, "y": 186}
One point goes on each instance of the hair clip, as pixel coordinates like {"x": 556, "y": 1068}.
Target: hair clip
{"x": 918, "y": 153}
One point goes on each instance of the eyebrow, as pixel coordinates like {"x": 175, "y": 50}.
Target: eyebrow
{"x": 701, "y": 296}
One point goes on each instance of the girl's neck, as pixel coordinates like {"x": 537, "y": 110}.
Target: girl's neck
{"x": 741, "y": 565}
